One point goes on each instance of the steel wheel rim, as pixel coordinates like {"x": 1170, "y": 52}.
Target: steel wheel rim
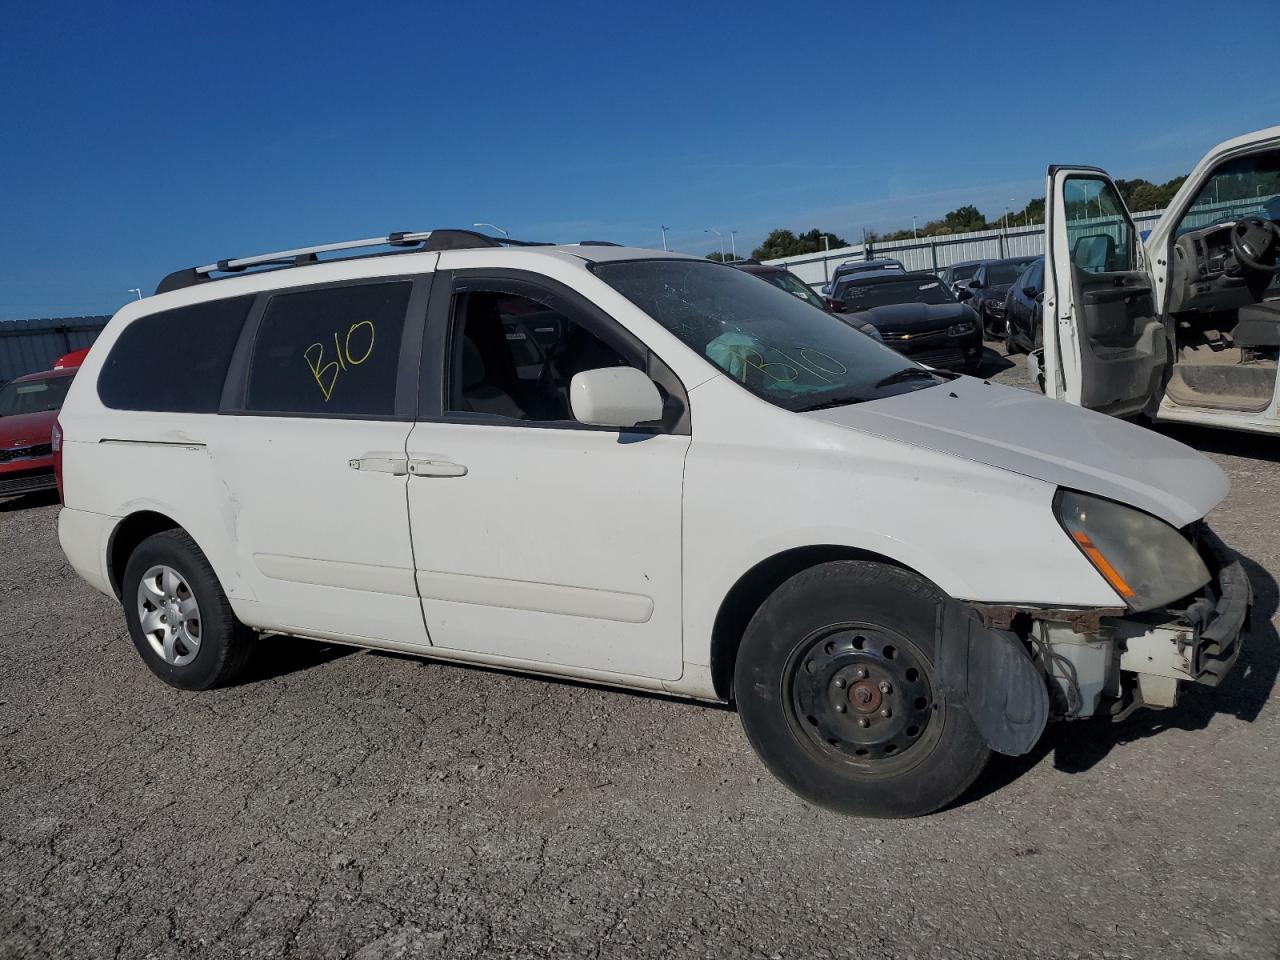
{"x": 849, "y": 666}
{"x": 169, "y": 615}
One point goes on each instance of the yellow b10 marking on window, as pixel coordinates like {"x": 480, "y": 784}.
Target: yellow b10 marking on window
{"x": 789, "y": 372}
{"x": 326, "y": 374}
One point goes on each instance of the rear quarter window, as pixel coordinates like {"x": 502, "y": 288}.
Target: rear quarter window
{"x": 175, "y": 360}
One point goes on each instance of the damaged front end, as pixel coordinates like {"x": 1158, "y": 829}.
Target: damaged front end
{"x": 1017, "y": 667}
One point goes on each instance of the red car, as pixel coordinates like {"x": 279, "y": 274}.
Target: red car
{"x": 28, "y": 408}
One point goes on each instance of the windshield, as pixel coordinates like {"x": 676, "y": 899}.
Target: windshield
{"x": 772, "y": 343}
{"x": 1001, "y": 273}
{"x": 1246, "y": 186}
{"x": 866, "y": 294}
{"x": 794, "y": 286}
{"x": 33, "y": 396}
{"x": 964, "y": 273}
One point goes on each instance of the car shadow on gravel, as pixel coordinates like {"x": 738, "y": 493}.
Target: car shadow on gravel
{"x": 29, "y": 501}
{"x": 1228, "y": 443}
{"x": 277, "y": 655}
{"x": 1077, "y": 747}
{"x": 993, "y": 362}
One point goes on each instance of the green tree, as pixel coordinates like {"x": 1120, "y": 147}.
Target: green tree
{"x": 964, "y": 220}
{"x": 784, "y": 243}
{"x": 1142, "y": 194}
{"x": 719, "y": 257}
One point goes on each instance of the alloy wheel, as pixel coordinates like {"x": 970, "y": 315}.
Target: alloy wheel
{"x": 169, "y": 615}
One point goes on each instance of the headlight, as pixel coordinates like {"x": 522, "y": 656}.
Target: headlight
{"x": 960, "y": 329}
{"x": 1145, "y": 560}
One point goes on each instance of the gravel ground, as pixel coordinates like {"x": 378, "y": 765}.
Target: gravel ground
{"x": 348, "y": 804}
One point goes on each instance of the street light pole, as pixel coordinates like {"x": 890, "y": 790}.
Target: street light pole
{"x": 733, "y": 247}
{"x": 137, "y": 291}
{"x": 826, "y": 250}
{"x": 664, "y": 236}
{"x": 914, "y": 235}
{"x": 721, "y": 236}
{"x": 492, "y": 226}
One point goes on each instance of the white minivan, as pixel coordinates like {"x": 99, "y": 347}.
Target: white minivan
{"x": 1185, "y": 327}
{"x": 640, "y": 469}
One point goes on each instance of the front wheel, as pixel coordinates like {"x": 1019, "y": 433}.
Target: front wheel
{"x": 1011, "y": 345}
{"x": 982, "y": 323}
{"x": 837, "y": 688}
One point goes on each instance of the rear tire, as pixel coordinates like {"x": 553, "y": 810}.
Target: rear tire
{"x": 838, "y": 693}
{"x": 179, "y": 617}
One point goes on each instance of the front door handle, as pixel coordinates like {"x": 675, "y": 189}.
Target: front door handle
{"x": 436, "y": 468}
{"x": 381, "y": 463}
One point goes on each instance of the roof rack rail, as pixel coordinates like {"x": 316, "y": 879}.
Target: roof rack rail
{"x": 301, "y": 256}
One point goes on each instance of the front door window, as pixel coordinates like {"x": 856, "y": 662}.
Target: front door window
{"x": 1099, "y": 234}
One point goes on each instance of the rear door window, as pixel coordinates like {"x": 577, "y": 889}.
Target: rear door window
{"x": 330, "y": 352}
{"x": 174, "y": 361}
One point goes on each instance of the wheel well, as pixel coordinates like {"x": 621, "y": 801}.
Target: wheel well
{"x": 130, "y": 532}
{"x": 752, "y": 589}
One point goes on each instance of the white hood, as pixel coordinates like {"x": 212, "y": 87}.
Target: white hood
{"x": 1047, "y": 439}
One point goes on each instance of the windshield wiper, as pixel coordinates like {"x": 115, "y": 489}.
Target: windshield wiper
{"x": 906, "y": 373}
{"x": 843, "y": 400}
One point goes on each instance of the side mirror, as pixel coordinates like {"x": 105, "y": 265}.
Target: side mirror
{"x": 963, "y": 294}
{"x": 825, "y": 289}
{"x": 1030, "y": 292}
{"x": 975, "y": 284}
{"x": 614, "y": 397}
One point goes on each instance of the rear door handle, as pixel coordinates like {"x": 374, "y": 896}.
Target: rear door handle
{"x": 381, "y": 463}
{"x": 436, "y": 468}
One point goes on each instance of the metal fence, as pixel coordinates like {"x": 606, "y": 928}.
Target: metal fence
{"x": 30, "y": 345}
{"x": 931, "y": 254}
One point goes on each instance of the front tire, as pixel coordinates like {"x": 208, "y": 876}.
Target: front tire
{"x": 982, "y": 323}
{"x": 838, "y": 692}
{"x": 179, "y": 617}
{"x": 1011, "y": 344}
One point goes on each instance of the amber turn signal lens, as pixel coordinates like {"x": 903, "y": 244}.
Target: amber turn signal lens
{"x": 1104, "y": 566}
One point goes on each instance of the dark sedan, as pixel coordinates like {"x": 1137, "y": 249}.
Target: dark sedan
{"x": 957, "y": 275}
{"x": 1024, "y": 310}
{"x": 917, "y": 315}
{"x": 989, "y": 285}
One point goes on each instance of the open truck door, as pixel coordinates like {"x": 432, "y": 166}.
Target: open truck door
{"x": 1105, "y": 345}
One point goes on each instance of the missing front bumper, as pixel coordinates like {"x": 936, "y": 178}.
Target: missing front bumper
{"x": 1106, "y": 662}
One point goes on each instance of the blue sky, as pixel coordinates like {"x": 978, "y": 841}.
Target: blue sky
{"x": 143, "y": 138}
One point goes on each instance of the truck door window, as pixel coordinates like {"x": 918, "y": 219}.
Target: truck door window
{"x": 1098, "y": 232}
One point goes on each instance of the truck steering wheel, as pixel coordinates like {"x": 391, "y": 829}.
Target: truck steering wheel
{"x": 1254, "y": 240}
